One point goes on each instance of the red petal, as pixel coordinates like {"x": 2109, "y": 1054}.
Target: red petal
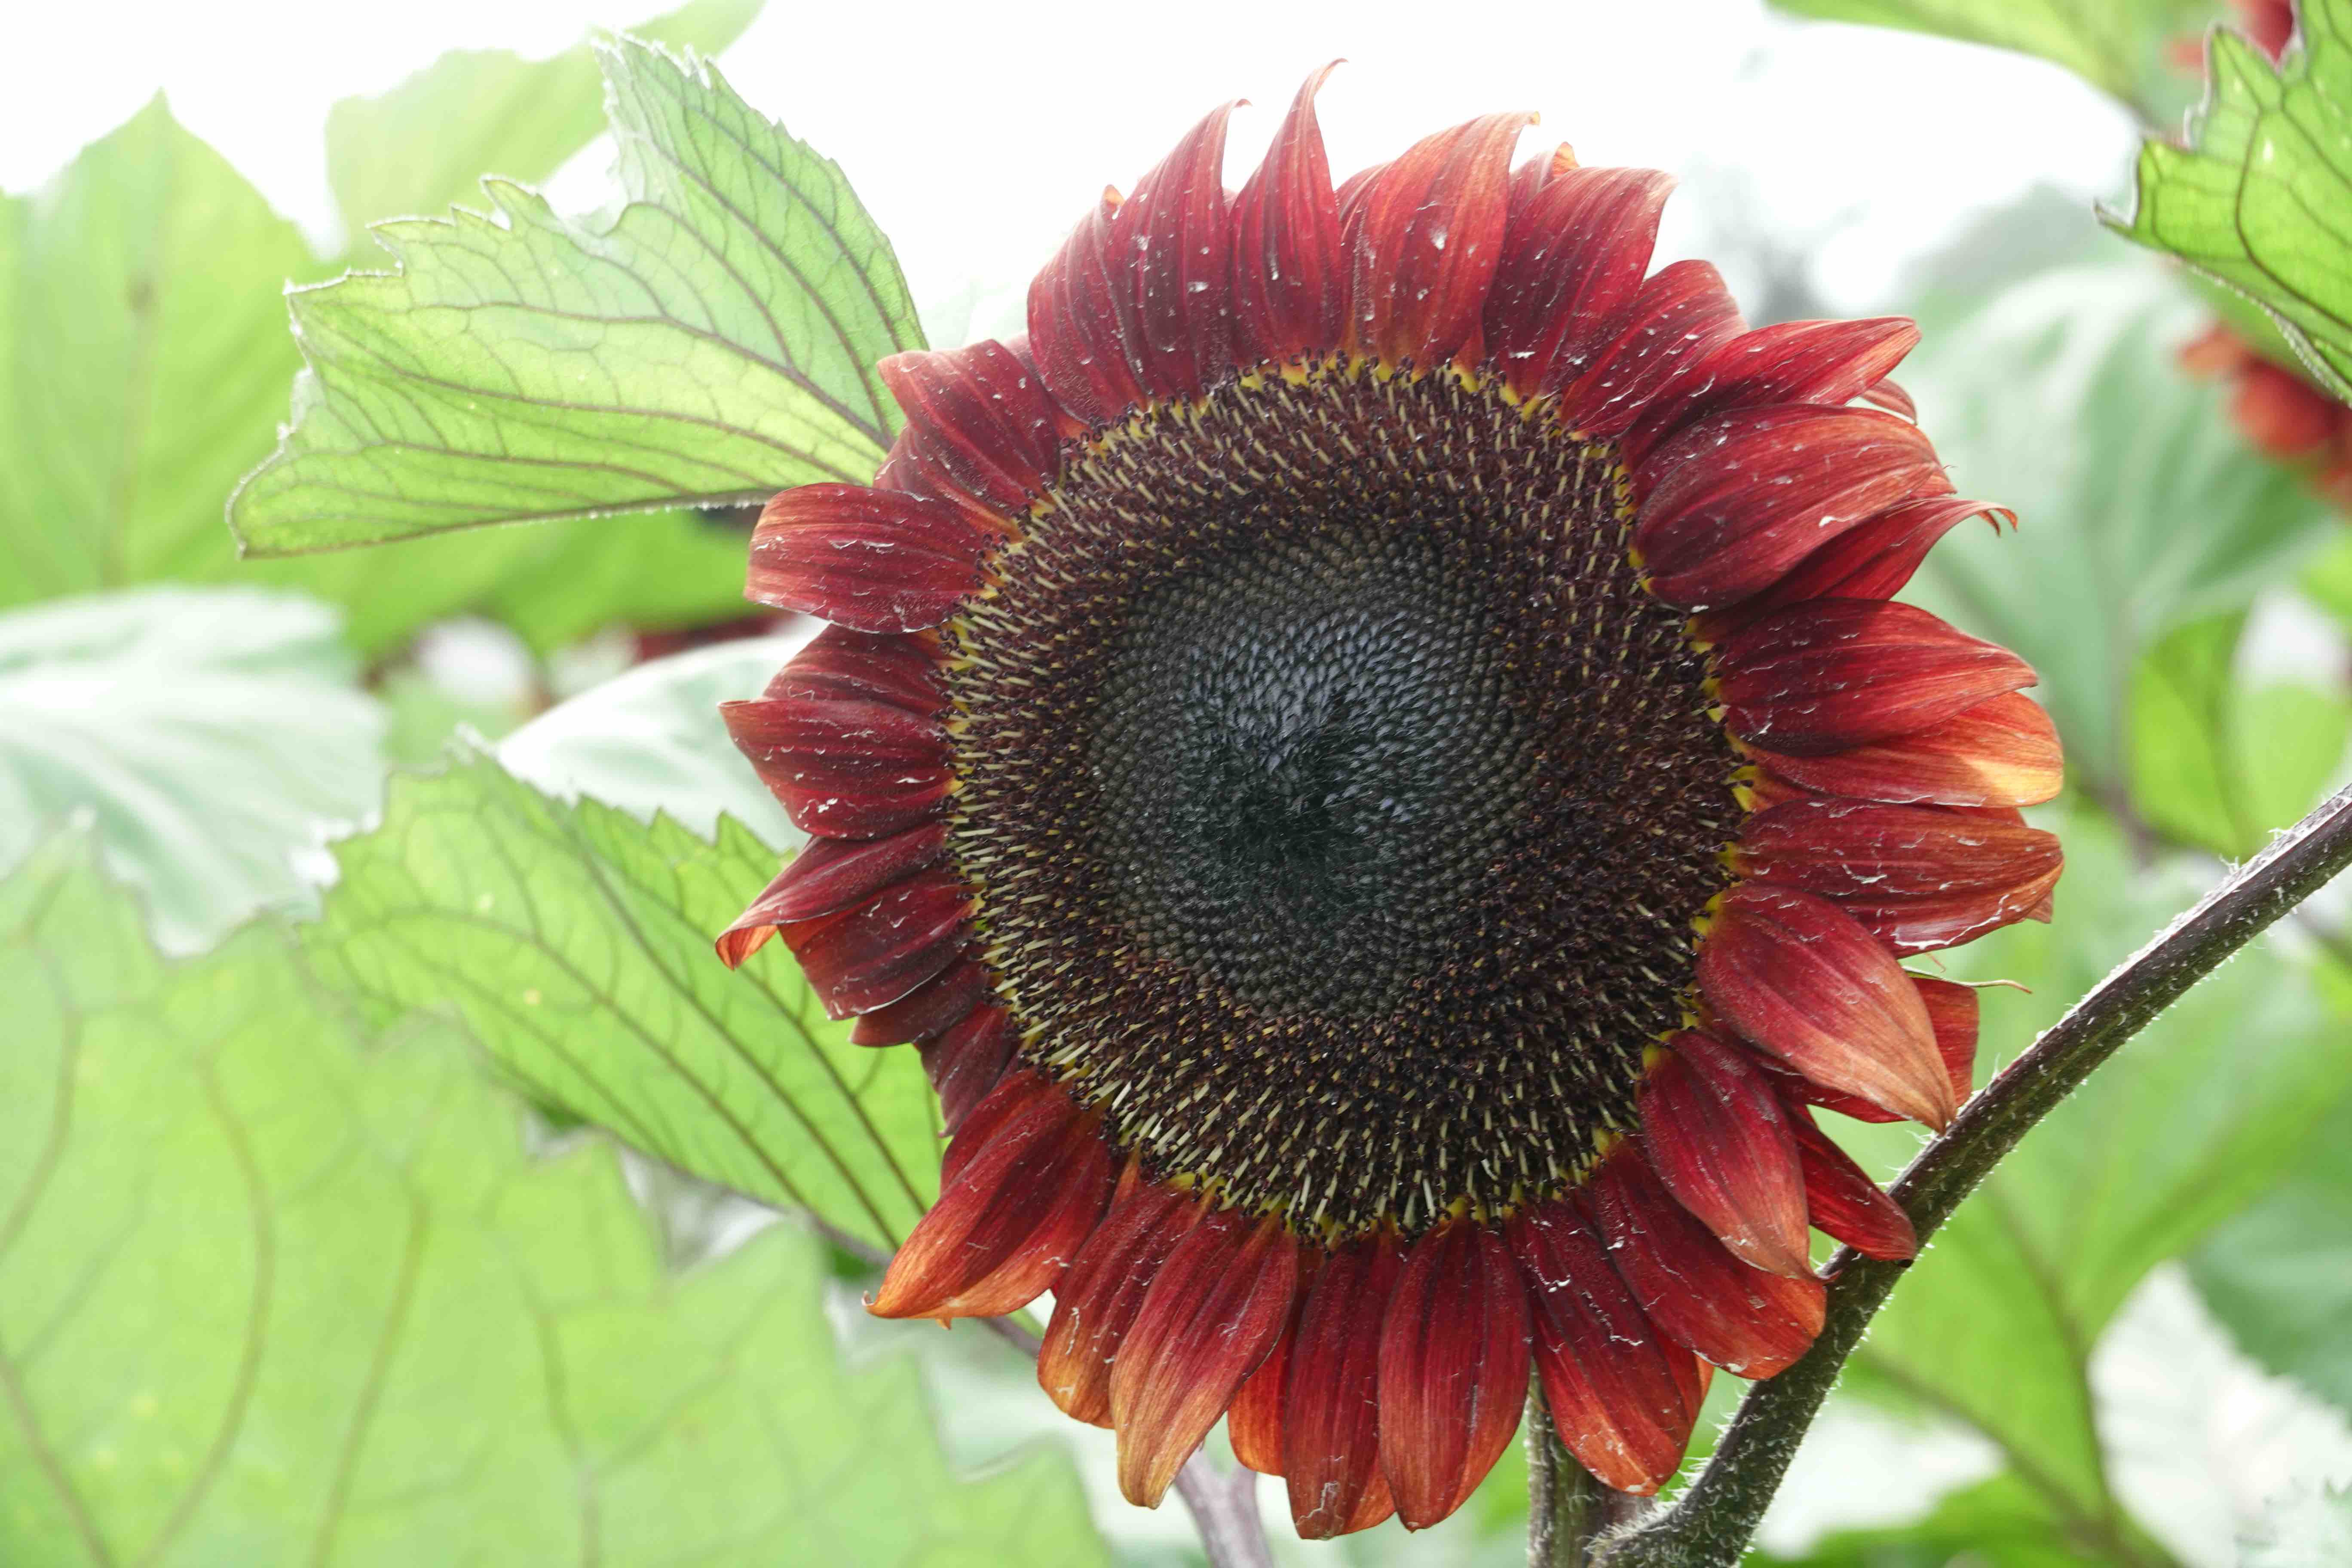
{"x": 1951, "y": 1010}
{"x": 1571, "y": 265}
{"x": 1215, "y": 1311}
{"x": 1097, "y": 1299}
{"x": 1290, "y": 283}
{"x": 1872, "y": 560}
{"x": 967, "y": 1063}
{"x": 829, "y": 875}
{"x": 1431, "y": 234}
{"x": 1736, "y": 501}
{"x": 1794, "y": 974}
{"x": 1012, "y": 1217}
{"x": 843, "y": 770}
{"x": 1892, "y": 398}
{"x": 1715, "y": 1130}
{"x": 979, "y": 425}
{"x": 1833, "y": 674}
{"x": 1254, "y": 1420}
{"x": 841, "y": 663}
{"x": 1623, "y": 1396}
{"x": 929, "y": 1010}
{"x": 1082, "y": 323}
{"x": 1917, "y": 876}
{"x": 878, "y": 560}
{"x": 1790, "y": 362}
{"x": 1844, "y": 1201}
{"x": 1330, "y": 1411}
{"x": 1742, "y": 1319}
{"x": 877, "y": 952}
{"x": 1679, "y": 317}
{"x": 2003, "y": 752}
{"x": 1453, "y": 1370}
{"x": 1115, "y": 319}
{"x": 1174, "y": 233}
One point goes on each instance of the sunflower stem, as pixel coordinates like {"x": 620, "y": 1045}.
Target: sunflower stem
{"x": 1710, "y": 1526}
{"x": 1569, "y": 1508}
{"x": 1224, "y": 1508}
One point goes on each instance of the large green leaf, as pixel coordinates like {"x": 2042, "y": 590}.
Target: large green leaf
{"x": 2119, "y": 45}
{"x": 2261, "y": 199}
{"x": 713, "y": 340}
{"x": 145, "y": 359}
{"x": 2141, "y": 507}
{"x": 273, "y": 1292}
{"x": 2219, "y": 764}
{"x": 1998, "y": 1523}
{"x": 2203, "y": 1111}
{"x": 208, "y": 733}
{"x": 422, "y": 147}
{"x": 651, "y": 741}
{"x": 2280, "y": 1275}
{"x": 575, "y": 941}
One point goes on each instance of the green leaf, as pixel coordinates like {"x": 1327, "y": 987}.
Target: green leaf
{"x": 209, "y": 733}
{"x": 2119, "y": 46}
{"x": 711, "y": 342}
{"x": 2280, "y": 1275}
{"x": 421, "y": 147}
{"x": 662, "y": 571}
{"x": 1998, "y": 1523}
{"x": 2216, "y": 764}
{"x": 574, "y": 942}
{"x": 2147, "y": 511}
{"x": 2200, "y": 1114}
{"x": 2260, "y": 200}
{"x": 136, "y": 384}
{"x": 274, "y": 1291}
{"x": 651, "y": 741}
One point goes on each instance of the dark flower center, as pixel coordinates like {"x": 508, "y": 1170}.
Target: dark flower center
{"x": 1338, "y": 800}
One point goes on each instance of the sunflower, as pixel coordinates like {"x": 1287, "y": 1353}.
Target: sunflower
{"x": 1373, "y": 755}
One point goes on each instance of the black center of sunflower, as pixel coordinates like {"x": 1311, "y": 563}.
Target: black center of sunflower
{"x": 1306, "y": 751}
{"x": 1338, "y": 801}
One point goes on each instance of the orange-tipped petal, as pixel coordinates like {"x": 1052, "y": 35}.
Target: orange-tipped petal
{"x": 1915, "y": 877}
{"x": 1740, "y": 499}
{"x": 1872, "y": 560}
{"x": 1623, "y": 1395}
{"x": 1742, "y": 1319}
{"x": 1290, "y": 278}
{"x": 1012, "y": 1215}
{"x": 1844, "y": 1201}
{"x": 1213, "y": 1312}
{"x": 1718, "y": 1136}
{"x": 2003, "y": 752}
{"x": 1453, "y": 1370}
{"x": 1254, "y": 1420}
{"x": 1097, "y": 1300}
{"x": 1330, "y": 1408}
{"x": 876, "y": 561}
{"x": 1795, "y": 975}
{"x": 1833, "y": 674}
{"x": 1431, "y": 234}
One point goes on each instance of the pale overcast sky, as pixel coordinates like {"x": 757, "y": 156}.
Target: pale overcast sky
{"x": 977, "y": 133}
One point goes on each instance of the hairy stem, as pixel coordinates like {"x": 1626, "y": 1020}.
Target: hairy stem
{"x": 1569, "y": 1509}
{"x": 1710, "y": 1526}
{"x": 1224, "y": 1508}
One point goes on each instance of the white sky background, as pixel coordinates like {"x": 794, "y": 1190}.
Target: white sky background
{"x": 978, "y": 133}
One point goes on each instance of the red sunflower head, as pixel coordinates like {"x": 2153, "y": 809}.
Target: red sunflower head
{"x": 1372, "y": 754}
